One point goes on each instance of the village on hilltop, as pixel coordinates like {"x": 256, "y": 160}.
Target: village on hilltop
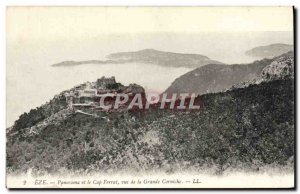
{"x": 88, "y": 94}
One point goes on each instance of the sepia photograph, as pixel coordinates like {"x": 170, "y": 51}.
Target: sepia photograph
{"x": 157, "y": 97}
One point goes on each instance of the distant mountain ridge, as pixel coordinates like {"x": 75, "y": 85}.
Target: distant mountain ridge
{"x": 75, "y": 63}
{"x": 218, "y": 77}
{"x": 163, "y": 58}
{"x": 151, "y": 56}
{"x": 270, "y": 51}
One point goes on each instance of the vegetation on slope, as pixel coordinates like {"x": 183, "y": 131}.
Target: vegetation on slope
{"x": 247, "y": 127}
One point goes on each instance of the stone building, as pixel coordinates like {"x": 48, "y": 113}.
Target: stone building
{"x": 104, "y": 83}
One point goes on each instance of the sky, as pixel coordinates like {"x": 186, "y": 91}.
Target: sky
{"x": 37, "y": 37}
{"x": 34, "y": 34}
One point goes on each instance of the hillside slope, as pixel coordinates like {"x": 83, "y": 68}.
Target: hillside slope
{"x": 245, "y": 128}
{"x": 217, "y": 77}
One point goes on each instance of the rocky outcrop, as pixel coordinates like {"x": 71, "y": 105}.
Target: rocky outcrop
{"x": 134, "y": 88}
{"x": 282, "y": 67}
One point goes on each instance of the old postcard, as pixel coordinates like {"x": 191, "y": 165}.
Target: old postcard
{"x": 150, "y": 97}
